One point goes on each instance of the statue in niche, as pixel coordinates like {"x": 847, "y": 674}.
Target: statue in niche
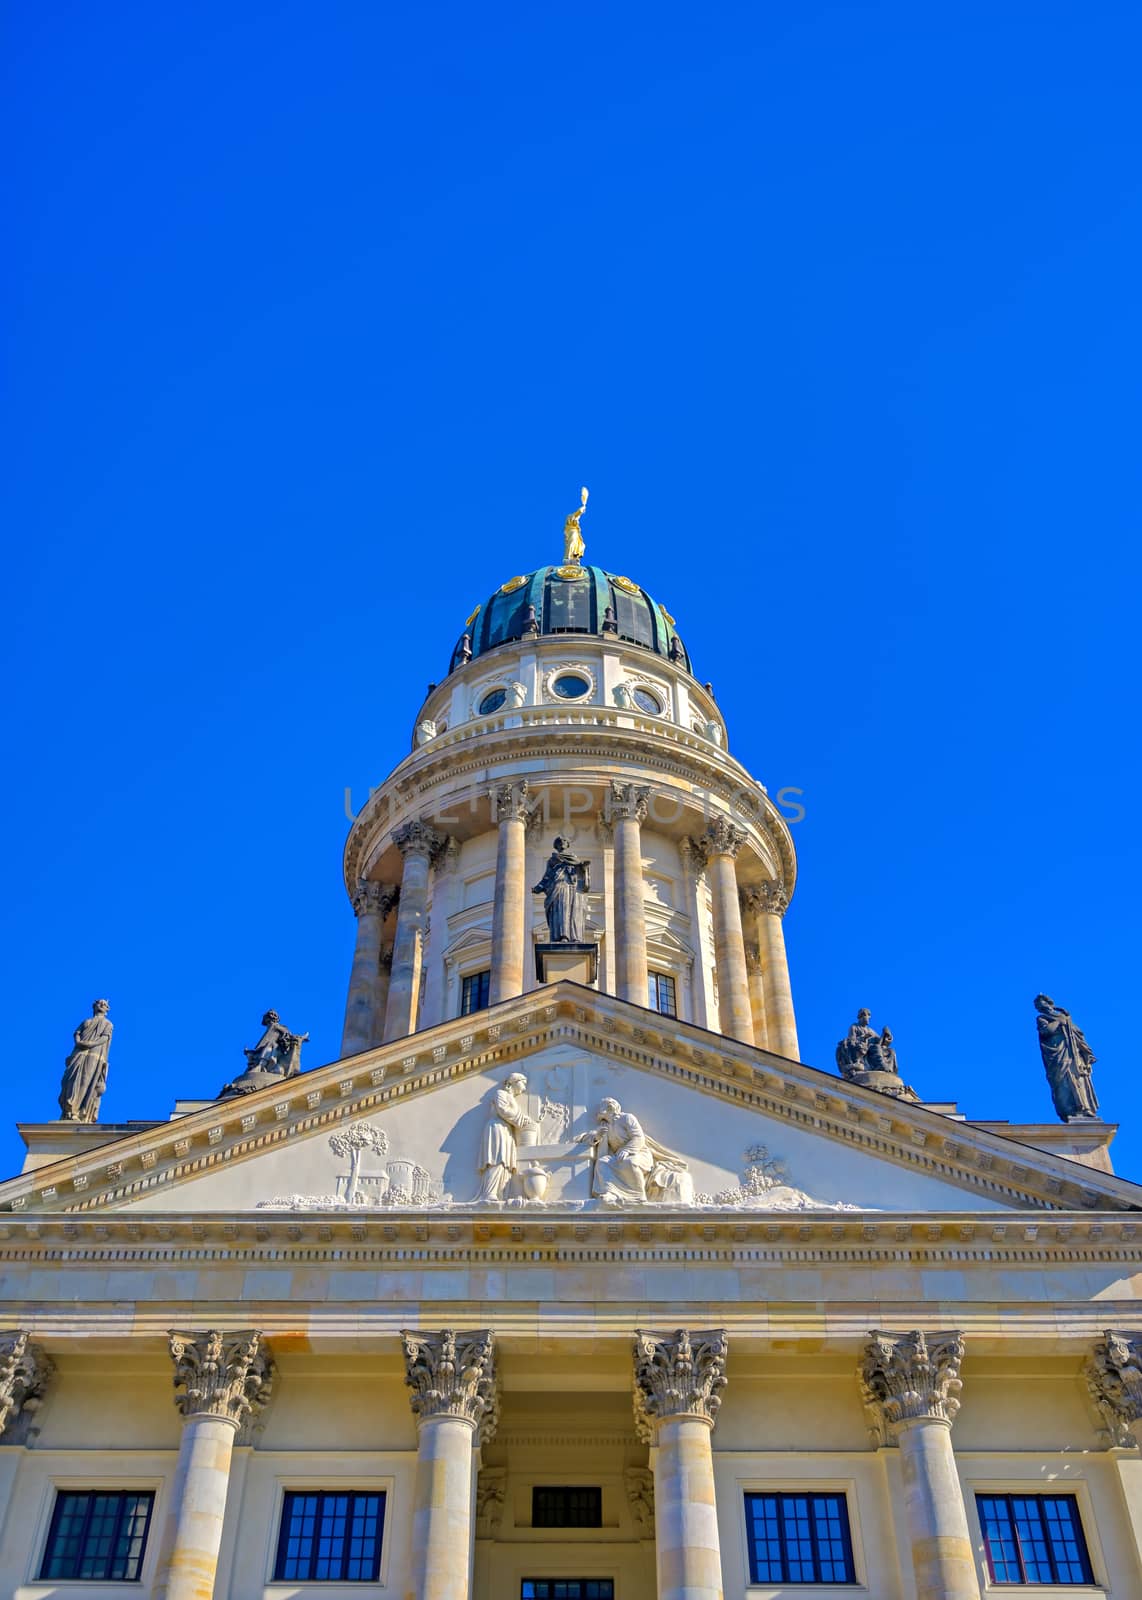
{"x": 501, "y": 1138}
{"x": 276, "y": 1055}
{"x": 1068, "y": 1060}
{"x": 627, "y": 1166}
{"x": 85, "y": 1070}
{"x": 565, "y": 884}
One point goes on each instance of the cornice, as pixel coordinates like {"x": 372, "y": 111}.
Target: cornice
{"x": 238, "y": 1129}
{"x": 667, "y": 751}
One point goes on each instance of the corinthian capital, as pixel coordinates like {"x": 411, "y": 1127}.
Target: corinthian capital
{"x": 628, "y": 800}
{"x": 722, "y": 838}
{"x": 509, "y": 801}
{"x": 752, "y": 899}
{"x": 1114, "y": 1382}
{"x": 453, "y": 1375}
{"x": 417, "y": 839}
{"x": 678, "y": 1375}
{"x": 374, "y": 899}
{"x": 907, "y": 1377}
{"x": 775, "y": 900}
{"x": 227, "y": 1375}
{"x": 25, "y": 1372}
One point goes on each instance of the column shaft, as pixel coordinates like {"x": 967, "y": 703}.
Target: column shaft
{"x": 509, "y": 909}
{"x": 781, "y": 1024}
{"x": 628, "y": 806}
{"x": 729, "y": 948}
{"x": 687, "y": 1551}
{"x": 364, "y": 1013}
{"x": 442, "y": 1509}
{"x": 757, "y": 996}
{"x": 417, "y": 843}
{"x": 934, "y": 1505}
{"x": 192, "y": 1536}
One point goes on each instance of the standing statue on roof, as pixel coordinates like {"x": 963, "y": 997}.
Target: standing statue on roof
{"x": 85, "y": 1074}
{"x": 573, "y": 546}
{"x": 1068, "y": 1060}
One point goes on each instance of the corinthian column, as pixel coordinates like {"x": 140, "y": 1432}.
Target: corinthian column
{"x": 418, "y": 844}
{"x": 910, "y": 1385}
{"x": 225, "y": 1377}
{"x": 781, "y": 1025}
{"x": 509, "y": 908}
{"x": 721, "y": 843}
{"x": 628, "y": 807}
{"x": 25, "y": 1372}
{"x": 752, "y": 902}
{"x": 678, "y": 1383}
{"x": 364, "y": 1010}
{"x": 1114, "y": 1381}
{"x": 452, "y": 1378}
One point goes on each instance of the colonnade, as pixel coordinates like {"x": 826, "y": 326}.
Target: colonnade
{"x": 909, "y": 1382}
{"x": 755, "y": 1002}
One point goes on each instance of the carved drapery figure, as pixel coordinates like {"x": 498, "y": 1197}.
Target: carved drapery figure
{"x": 573, "y": 546}
{"x": 85, "y": 1071}
{"x": 1114, "y": 1381}
{"x": 852, "y": 1052}
{"x": 276, "y": 1055}
{"x": 499, "y": 1144}
{"x": 628, "y": 1166}
{"x": 564, "y": 886}
{"x": 881, "y": 1055}
{"x": 1068, "y": 1060}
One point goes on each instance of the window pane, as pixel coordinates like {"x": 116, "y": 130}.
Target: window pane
{"x": 1033, "y": 1539}
{"x": 567, "y": 1589}
{"x": 1065, "y": 1537}
{"x": 97, "y": 1535}
{"x": 799, "y": 1538}
{"x": 566, "y": 1508}
{"x": 334, "y": 1537}
{"x": 476, "y": 993}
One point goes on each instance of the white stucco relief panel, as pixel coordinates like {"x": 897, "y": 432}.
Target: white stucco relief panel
{"x": 431, "y": 1147}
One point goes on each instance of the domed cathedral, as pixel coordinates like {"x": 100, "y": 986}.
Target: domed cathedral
{"x": 565, "y": 1278}
{"x": 571, "y": 711}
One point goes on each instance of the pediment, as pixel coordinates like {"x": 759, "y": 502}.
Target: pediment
{"x": 404, "y": 1126}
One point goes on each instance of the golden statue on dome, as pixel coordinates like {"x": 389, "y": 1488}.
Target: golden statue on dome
{"x": 573, "y": 546}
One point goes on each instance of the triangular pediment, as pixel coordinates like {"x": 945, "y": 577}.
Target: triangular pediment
{"x": 417, "y": 1110}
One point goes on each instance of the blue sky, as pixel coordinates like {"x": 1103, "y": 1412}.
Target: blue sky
{"x": 319, "y": 317}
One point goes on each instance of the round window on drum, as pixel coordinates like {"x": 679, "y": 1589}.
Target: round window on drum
{"x": 571, "y": 686}
{"x": 646, "y": 700}
{"x": 492, "y": 702}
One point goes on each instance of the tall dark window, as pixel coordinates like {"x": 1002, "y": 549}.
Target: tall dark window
{"x": 98, "y": 1533}
{"x": 567, "y": 1589}
{"x": 799, "y": 1538}
{"x": 566, "y": 1508}
{"x": 1033, "y": 1538}
{"x": 474, "y": 997}
{"x": 330, "y": 1537}
{"x": 663, "y": 995}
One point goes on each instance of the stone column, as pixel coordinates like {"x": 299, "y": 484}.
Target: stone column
{"x": 452, "y": 1378}
{"x": 1113, "y": 1375}
{"x": 781, "y": 1025}
{"x": 225, "y": 1378}
{"x": 909, "y": 1384}
{"x": 678, "y": 1379}
{"x": 364, "y": 1010}
{"x": 721, "y": 843}
{"x": 628, "y": 806}
{"x": 752, "y": 903}
{"x": 509, "y": 909}
{"x": 418, "y": 844}
{"x": 693, "y": 865}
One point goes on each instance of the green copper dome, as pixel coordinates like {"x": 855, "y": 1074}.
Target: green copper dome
{"x": 571, "y": 599}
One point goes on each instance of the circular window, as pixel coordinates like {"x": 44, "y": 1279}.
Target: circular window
{"x": 570, "y": 686}
{"x": 492, "y": 702}
{"x": 645, "y": 701}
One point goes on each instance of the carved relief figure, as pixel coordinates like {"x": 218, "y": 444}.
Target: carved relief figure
{"x": 628, "y": 1166}
{"x": 499, "y": 1144}
{"x": 85, "y": 1070}
{"x": 276, "y": 1055}
{"x": 564, "y": 886}
{"x": 1068, "y": 1060}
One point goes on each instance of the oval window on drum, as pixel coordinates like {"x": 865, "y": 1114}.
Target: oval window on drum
{"x": 492, "y": 702}
{"x": 570, "y": 686}
{"x": 645, "y": 701}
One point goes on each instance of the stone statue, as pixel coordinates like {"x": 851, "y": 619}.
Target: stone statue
{"x": 852, "y": 1052}
{"x": 277, "y": 1055}
{"x": 425, "y": 731}
{"x": 499, "y": 1144}
{"x": 573, "y": 546}
{"x": 565, "y": 883}
{"x": 1068, "y": 1060}
{"x": 868, "y": 1058}
{"x": 516, "y": 695}
{"x": 623, "y": 697}
{"x": 628, "y": 1166}
{"x": 85, "y": 1071}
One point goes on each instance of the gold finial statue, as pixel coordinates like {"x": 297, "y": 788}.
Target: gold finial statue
{"x": 573, "y": 546}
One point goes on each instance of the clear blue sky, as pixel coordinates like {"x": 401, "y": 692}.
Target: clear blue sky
{"x": 318, "y": 316}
